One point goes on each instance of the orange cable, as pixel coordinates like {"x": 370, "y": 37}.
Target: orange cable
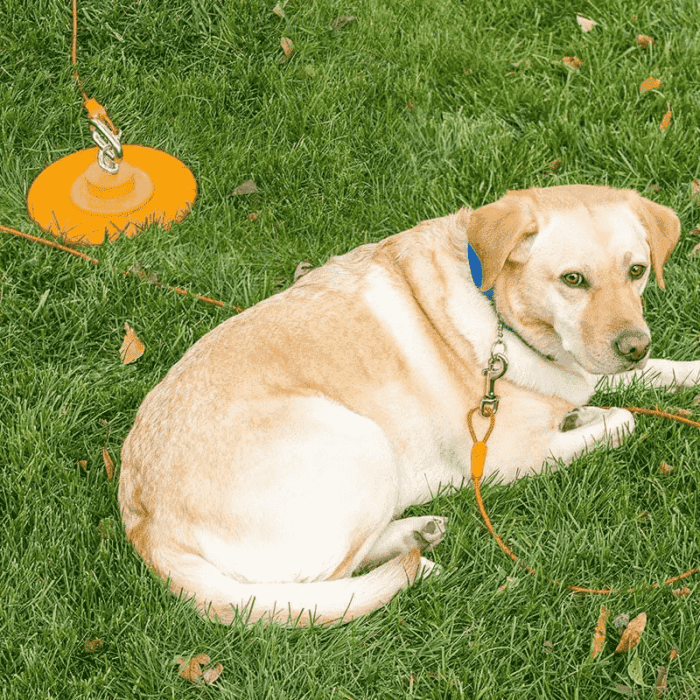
{"x": 95, "y": 261}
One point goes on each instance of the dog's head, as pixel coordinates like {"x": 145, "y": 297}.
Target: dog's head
{"x": 569, "y": 265}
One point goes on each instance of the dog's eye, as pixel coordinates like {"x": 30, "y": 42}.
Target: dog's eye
{"x": 637, "y": 271}
{"x": 574, "y": 279}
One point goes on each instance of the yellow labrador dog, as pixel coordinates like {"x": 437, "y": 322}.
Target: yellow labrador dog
{"x": 277, "y": 456}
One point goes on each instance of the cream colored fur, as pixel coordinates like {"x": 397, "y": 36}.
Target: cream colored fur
{"x": 276, "y": 458}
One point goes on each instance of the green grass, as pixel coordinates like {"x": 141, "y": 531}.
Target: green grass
{"x": 409, "y": 112}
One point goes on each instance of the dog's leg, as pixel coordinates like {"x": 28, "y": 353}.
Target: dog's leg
{"x": 403, "y": 535}
{"x": 586, "y": 427}
{"x": 657, "y": 373}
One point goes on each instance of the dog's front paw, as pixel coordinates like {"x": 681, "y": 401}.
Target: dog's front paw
{"x": 584, "y": 415}
{"x": 430, "y": 533}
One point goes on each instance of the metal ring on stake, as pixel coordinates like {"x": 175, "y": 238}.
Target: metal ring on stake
{"x": 109, "y": 144}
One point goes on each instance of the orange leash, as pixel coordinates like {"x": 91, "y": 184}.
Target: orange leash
{"x": 478, "y": 459}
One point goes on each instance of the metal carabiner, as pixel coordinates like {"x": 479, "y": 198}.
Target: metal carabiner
{"x": 498, "y": 366}
{"x": 109, "y": 144}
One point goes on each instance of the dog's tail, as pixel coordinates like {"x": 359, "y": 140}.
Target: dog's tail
{"x": 322, "y": 602}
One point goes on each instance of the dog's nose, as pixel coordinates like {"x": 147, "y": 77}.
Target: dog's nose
{"x": 632, "y": 345}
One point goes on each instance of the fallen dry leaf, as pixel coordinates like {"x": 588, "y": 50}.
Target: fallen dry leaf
{"x": 585, "y": 24}
{"x": 660, "y": 683}
{"x": 82, "y": 463}
{"x": 666, "y": 121}
{"x": 279, "y": 10}
{"x": 696, "y": 187}
{"x": 287, "y": 46}
{"x": 649, "y": 84}
{"x": 93, "y": 645}
{"x": 191, "y": 669}
{"x": 674, "y": 653}
{"x": 695, "y": 250}
{"x": 109, "y": 464}
{"x": 554, "y": 166}
{"x": 247, "y": 187}
{"x": 132, "y": 348}
{"x": 599, "y": 634}
{"x": 683, "y": 591}
{"x": 572, "y": 62}
{"x": 631, "y": 636}
{"x": 626, "y": 689}
{"x": 342, "y": 21}
{"x": 302, "y": 268}
{"x": 665, "y": 469}
{"x": 645, "y": 41}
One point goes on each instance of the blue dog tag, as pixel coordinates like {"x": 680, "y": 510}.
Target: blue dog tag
{"x": 477, "y": 271}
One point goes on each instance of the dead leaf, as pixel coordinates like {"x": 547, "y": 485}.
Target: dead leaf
{"x": 661, "y": 678}
{"x": 666, "y": 121}
{"x": 626, "y": 689}
{"x": 674, "y": 653}
{"x": 585, "y": 24}
{"x": 191, "y": 669}
{"x": 695, "y": 250}
{"x": 682, "y": 592}
{"x": 302, "y": 268}
{"x": 572, "y": 62}
{"x": 279, "y": 10}
{"x": 621, "y": 621}
{"x": 599, "y": 634}
{"x": 132, "y": 348}
{"x": 554, "y": 166}
{"x": 631, "y": 636}
{"x": 82, "y": 463}
{"x": 665, "y": 469}
{"x": 696, "y": 187}
{"x": 247, "y": 187}
{"x": 109, "y": 464}
{"x": 93, "y": 645}
{"x": 548, "y": 646}
{"x": 253, "y": 216}
{"x": 211, "y": 674}
{"x": 645, "y": 41}
{"x": 287, "y": 46}
{"x": 649, "y": 84}
{"x": 342, "y": 21}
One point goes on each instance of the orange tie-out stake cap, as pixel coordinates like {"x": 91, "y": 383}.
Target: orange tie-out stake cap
{"x": 75, "y": 199}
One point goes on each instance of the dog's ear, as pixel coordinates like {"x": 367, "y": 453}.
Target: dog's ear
{"x": 663, "y": 229}
{"x": 499, "y": 230}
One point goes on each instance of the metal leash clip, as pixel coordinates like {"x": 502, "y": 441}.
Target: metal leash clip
{"x": 109, "y": 144}
{"x": 498, "y": 366}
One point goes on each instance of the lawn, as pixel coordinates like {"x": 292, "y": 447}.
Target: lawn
{"x": 386, "y": 113}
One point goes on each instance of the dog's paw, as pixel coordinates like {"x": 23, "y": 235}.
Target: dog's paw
{"x": 584, "y": 415}
{"x": 430, "y": 533}
{"x": 428, "y": 568}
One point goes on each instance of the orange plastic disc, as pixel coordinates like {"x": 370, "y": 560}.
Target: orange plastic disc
{"x": 76, "y": 200}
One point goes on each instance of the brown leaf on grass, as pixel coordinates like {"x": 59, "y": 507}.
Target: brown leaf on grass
{"x": 109, "y": 464}
{"x": 585, "y": 24}
{"x": 572, "y": 62}
{"x": 644, "y": 41}
{"x": 695, "y": 250}
{"x": 674, "y": 653}
{"x": 342, "y": 21}
{"x": 649, "y": 84}
{"x": 554, "y": 166}
{"x": 660, "y": 683}
{"x": 681, "y": 592}
{"x": 302, "y": 268}
{"x": 247, "y": 187}
{"x": 93, "y": 645}
{"x": 666, "y": 121}
{"x": 132, "y": 348}
{"x": 279, "y": 10}
{"x": 191, "y": 669}
{"x": 621, "y": 688}
{"x": 631, "y": 636}
{"x": 599, "y": 634}
{"x": 82, "y": 463}
{"x": 696, "y": 187}
{"x": 287, "y": 46}
{"x": 665, "y": 468}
